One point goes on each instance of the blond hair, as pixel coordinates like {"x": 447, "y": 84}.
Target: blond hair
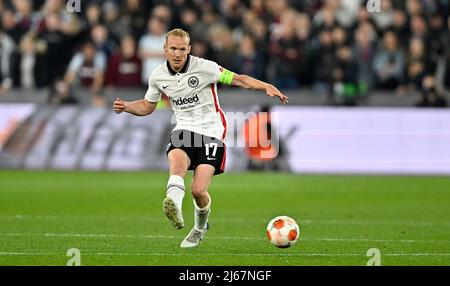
{"x": 179, "y": 33}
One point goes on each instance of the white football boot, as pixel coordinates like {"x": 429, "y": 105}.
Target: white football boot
{"x": 194, "y": 237}
{"x": 173, "y": 213}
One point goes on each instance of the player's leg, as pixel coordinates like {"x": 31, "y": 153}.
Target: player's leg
{"x": 178, "y": 165}
{"x": 202, "y": 203}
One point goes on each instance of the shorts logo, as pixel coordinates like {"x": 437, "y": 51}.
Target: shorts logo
{"x": 193, "y": 81}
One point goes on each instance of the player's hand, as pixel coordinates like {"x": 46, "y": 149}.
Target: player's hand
{"x": 118, "y": 105}
{"x": 272, "y": 91}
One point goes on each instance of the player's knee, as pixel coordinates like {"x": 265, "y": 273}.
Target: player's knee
{"x": 198, "y": 190}
{"x": 178, "y": 169}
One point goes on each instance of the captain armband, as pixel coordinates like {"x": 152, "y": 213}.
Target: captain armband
{"x": 226, "y": 77}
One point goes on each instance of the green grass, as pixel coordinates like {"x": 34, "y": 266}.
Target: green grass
{"x": 116, "y": 219}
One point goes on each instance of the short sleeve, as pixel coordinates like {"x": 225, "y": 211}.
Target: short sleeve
{"x": 212, "y": 69}
{"x": 153, "y": 94}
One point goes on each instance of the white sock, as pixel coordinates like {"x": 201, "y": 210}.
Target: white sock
{"x": 201, "y": 215}
{"x": 175, "y": 190}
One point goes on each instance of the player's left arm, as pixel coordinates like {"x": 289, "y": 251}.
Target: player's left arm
{"x": 248, "y": 82}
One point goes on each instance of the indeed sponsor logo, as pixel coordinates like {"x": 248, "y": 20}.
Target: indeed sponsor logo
{"x": 183, "y": 101}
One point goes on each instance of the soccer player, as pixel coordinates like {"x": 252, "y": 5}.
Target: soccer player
{"x": 197, "y": 141}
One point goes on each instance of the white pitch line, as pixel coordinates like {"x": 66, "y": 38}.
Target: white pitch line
{"x": 149, "y": 236}
{"x": 3, "y": 253}
{"x": 90, "y": 235}
{"x": 378, "y": 240}
{"x": 228, "y": 219}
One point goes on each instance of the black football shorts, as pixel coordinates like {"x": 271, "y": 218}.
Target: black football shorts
{"x": 200, "y": 149}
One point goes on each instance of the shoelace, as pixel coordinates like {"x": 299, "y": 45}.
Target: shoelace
{"x": 195, "y": 236}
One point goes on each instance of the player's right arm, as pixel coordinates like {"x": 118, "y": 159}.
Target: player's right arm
{"x": 139, "y": 107}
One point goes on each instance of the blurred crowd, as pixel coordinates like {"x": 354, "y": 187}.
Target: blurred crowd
{"x": 335, "y": 47}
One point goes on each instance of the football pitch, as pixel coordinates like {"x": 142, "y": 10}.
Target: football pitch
{"x": 116, "y": 218}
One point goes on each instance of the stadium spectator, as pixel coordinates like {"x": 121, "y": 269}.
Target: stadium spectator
{"x": 103, "y": 43}
{"x": 303, "y": 33}
{"x": 92, "y": 18}
{"x": 69, "y": 23}
{"x": 389, "y": 63}
{"x": 258, "y": 8}
{"x": 117, "y": 26}
{"x": 124, "y": 68}
{"x": 232, "y": 11}
{"x": 303, "y": 27}
{"x": 176, "y": 8}
{"x": 416, "y": 65}
{"x": 260, "y": 33}
{"x": 363, "y": 16}
{"x": 285, "y": 56}
{"x": 321, "y": 57}
{"x": 340, "y": 37}
{"x": 135, "y": 15}
{"x": 414, "y": 7}
{"x": 348, "y": 10}
{"x": 445, "y": 62}
{"x": 446, "y": 73}
{"x": 384, "y": 20}
{"x": 209, "y": 20}
{"x": 439, "y": 38}
{"x": 325, "y": 19}
{"x": 345, "y": 11}
{"x": 223, "y": 45}
{"x": 277, "y": 9}
{"x": 58, "y": 44}
{"x": 150, "y": 45}
{"x": 29, "y": 64}
{"x": 87, "y": 66}
{"x": 431, "y": 95}
{"x": 248, "y": 59}
{"x": 162, "y": 12}
{"x": 6, "y": 49}
{"x": 201, "y": 48}
{"x": 364, "y": 53}
{"x": 26, "y": 19}
{"x": 189, "y": 21}
{"x": 345, "y": 90}
{"x": 419, "y": 28}
{"x": 10, "y": 26}
{"x": 401, "y": 29}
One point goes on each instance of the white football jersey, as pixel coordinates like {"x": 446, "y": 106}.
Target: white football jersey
{"x": 192, "y": 93}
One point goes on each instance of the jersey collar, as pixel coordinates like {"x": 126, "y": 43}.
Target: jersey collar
{"x": 183, "y": 69}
